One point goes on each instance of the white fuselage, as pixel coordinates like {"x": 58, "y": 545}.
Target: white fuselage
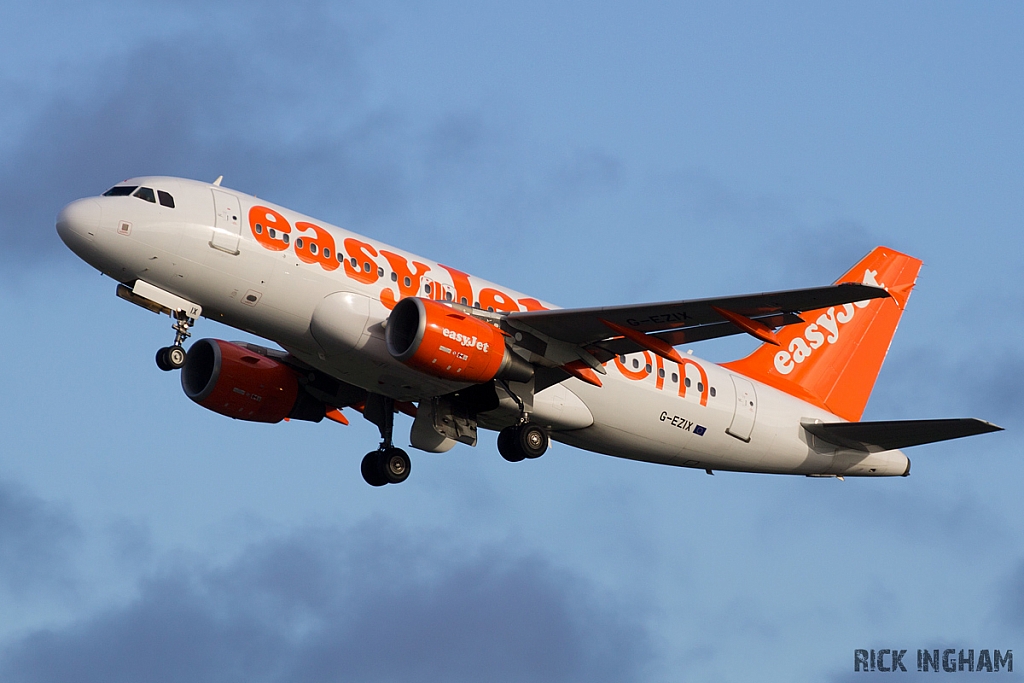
{"x": 206, "y": 250}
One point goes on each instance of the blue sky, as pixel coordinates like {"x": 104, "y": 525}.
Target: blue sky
{"x": 587, "y": 155}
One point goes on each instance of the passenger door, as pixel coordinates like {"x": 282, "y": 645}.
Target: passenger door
{"x": 745, "y": 410}
{"x": 227, "y": 226}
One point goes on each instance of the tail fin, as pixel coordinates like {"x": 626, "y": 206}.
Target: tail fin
{"x": 833, "y": 359}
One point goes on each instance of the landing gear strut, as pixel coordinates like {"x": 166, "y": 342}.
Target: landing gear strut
{"x": 387, "y": 464}
{"x": 173, "y": 357}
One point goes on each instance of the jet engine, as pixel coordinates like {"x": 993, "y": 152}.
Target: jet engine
{"x": 441, "y": 341}
{"x": 234, "y": 381}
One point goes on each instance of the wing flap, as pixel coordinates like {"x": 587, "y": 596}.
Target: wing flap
{"x": 890, "y": 434}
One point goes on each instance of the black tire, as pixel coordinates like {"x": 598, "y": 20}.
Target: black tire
{"x": 507, "y": 445}
{"x": 532, "y": 440}
{"x": 175, "y": 357}
{"x": 371, "y": 470}
{"x": 161, "y": 360}
{"x": 395, "y": 465}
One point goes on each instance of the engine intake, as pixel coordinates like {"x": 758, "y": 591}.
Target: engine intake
{"x": 234, "y": 381}
{"x": 443, "y": 342}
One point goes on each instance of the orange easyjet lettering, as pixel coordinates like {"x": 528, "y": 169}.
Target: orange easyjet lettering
{"x": 408, "y": 280}
{"x": 316, "y": 249}
{"x": 493, "y": 300}
{"x": 463, "y": 288}
{"x": 360, "y": 265}
{"x": 269, "y": 228}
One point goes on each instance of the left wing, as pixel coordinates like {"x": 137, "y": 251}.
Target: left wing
{"x": 595, "y": 335}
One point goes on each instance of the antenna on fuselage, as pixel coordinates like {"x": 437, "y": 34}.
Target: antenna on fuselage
{"x": 217, "y": 181}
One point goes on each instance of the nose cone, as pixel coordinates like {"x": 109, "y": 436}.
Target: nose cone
{"x": 78, "y": 222}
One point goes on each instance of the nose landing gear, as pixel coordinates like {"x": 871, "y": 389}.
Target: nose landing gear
{"x": 173, "y": 357}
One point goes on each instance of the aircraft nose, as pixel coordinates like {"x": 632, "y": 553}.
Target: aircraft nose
{"x": 79, "y": 220}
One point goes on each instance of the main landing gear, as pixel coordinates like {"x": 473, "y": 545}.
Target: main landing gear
{"x": 522, "y": 441}
{"x": 387, "y": 464}
{"x": 173, "y": 357}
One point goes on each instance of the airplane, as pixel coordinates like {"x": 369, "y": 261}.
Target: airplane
{"x": 367, "y": 326}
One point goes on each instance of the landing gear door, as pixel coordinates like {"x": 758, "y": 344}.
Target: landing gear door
{"x": 227, "y": 226}
{"x": 745, "y": 409}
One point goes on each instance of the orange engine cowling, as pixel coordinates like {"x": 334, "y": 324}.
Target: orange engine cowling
{"x": 441, "y": 341}
{"x": 234, "y": 381}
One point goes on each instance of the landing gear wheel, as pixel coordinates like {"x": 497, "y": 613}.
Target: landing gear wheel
{"x": 161, "y": 360}
{"x": 532, "y": 440}
{"x": 170, "y": 358}
{"x": 176, "y": 357}
{"x": 507, "y": 445}
{"x": 394, "y": 465}
{"x": 371, "y": 469}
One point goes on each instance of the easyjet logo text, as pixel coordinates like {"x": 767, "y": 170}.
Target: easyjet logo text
{"x": 824, "y": 331}
{"x": 364, "y": 263}
{"x": 466, "y": 340}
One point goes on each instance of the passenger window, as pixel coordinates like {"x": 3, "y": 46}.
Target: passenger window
{"x": 394, "y": 276}
{"x": 661, "y": 372}
{"x": 447, "y": 296}
{"x": 120, "y": 191}
{"x": 675, "y": 378}
{"x": 636, "y": 363}
{"x": 366, "y": 266}
{"x": 313, "y": 249}
{"x": 145, "y": 193}
{"x": 700, "y": 386}
{"x": 298, "y": 243}
{"x": 407, "y": 281}
{"x": 380, "y": 271}
{"x": 465, "y": 301}
{"x": 165, "y": 199}
{"x": 327, "y": 252}
{"x": 259, "y": 229}
{"x": 712, "y": 392}
{"x": 647, "y": 367}
{"x": 686, "y": 382}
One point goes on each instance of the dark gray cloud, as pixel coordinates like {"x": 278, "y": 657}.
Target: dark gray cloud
{"x": 37, "y": 540}
{"x": 375, "y": 603}
{"x": 277, "y": 105}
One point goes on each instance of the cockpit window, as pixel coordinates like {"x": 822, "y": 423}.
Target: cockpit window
{"x": 145, "y": 193}
{"x": 120, "y": 191}
{"x": 165, "y": 199}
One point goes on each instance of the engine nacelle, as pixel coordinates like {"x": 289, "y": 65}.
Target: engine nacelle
{"x": 234, "y": 381}
{"x": 443, "y": 342}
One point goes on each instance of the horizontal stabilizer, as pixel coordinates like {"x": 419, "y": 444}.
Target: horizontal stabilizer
{"x": 873, "y": 437}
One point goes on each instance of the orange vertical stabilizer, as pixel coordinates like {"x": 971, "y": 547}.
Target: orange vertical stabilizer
{"x": 832, "y": 359}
